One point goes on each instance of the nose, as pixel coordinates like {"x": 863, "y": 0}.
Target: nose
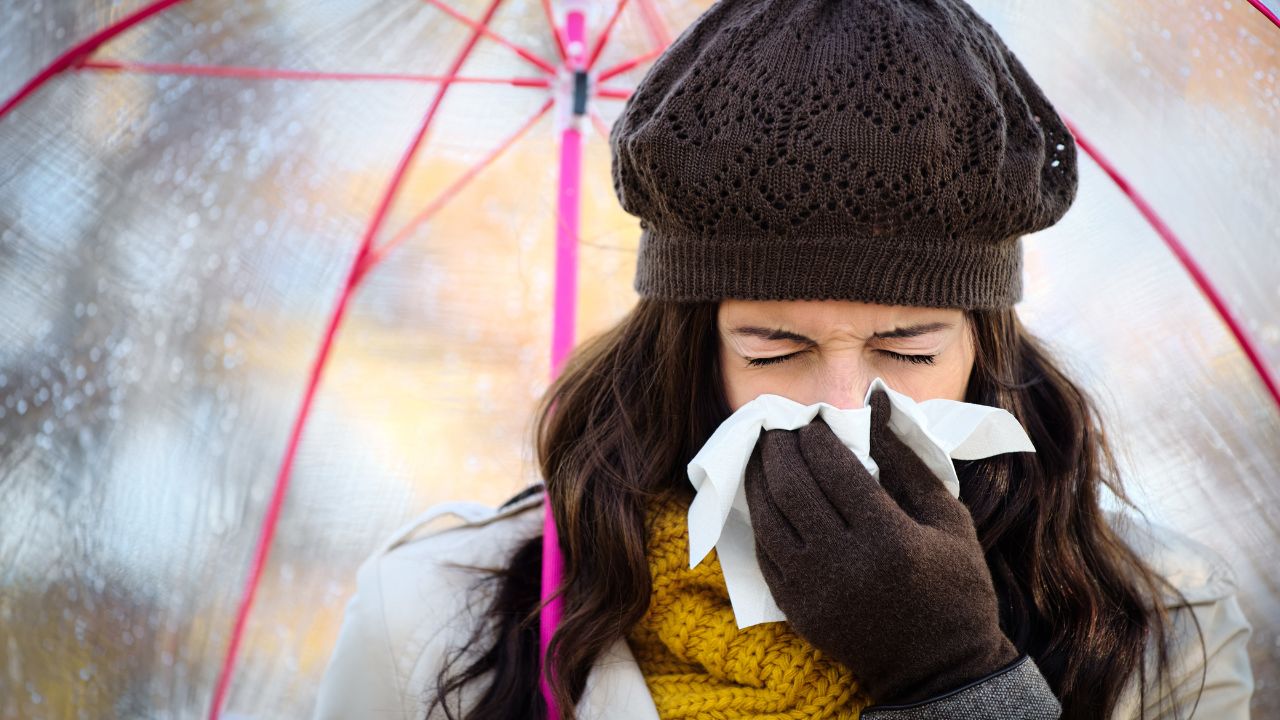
{"x": 844, "y": 388}
{"x": 847, "y": 401}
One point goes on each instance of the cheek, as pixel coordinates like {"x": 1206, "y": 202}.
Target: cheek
{"x": 737, "y": 383}
{"x": 743, "y": 384}
{"x": 807, "y": 380}
{"x": 944, "y": 380}
{"x": 948, "y": 378}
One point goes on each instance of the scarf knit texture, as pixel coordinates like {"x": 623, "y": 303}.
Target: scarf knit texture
{"x": 698, "y": 664}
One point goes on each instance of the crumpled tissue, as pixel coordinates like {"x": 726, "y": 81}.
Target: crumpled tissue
{"x": 937, "y": 430}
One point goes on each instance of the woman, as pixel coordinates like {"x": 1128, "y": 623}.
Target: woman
{"x": 829, "y": 191}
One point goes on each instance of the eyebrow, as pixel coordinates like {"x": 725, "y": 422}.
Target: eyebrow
{"x": 906, "y": 331}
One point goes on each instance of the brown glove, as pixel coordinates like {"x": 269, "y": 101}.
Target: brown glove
{"x": 888, "y": 578}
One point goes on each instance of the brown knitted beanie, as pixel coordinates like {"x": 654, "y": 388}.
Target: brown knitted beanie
{"x": 889, "y": 151}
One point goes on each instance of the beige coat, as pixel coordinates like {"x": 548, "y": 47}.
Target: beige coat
{"x": 408, "y": 609}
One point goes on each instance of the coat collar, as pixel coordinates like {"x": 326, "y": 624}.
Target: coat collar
{"x": 616, "y": 688}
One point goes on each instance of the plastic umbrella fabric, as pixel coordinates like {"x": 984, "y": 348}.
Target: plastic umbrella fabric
{"x": 275, "y": 278}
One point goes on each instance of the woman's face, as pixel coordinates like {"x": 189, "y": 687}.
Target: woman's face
{"x": 830, "y": 350}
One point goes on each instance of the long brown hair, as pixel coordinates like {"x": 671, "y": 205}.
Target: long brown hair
{"x": 633, "y": 405}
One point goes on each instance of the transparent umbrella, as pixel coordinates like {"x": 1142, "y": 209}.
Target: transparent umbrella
{"x": 273, "y": 278}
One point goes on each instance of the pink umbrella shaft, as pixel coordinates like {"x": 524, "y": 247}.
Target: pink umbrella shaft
{"x": 562, "y": 332}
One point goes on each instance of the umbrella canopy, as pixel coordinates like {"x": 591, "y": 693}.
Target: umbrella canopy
{"x": 216, "y": 222}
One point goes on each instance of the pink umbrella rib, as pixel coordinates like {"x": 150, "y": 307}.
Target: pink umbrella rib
{"x": 454, "y": 188}
{"x": 1266, "y": 12}
{"x": 82, "y": 50}
{"x": 1192, "y": 267}
{"x": 604, "y": 34}
{"x": 613, "y": 93}
{"x": 253, "y": 73}
{"x": 600, "y": 125}
{"x": 525, "y": 53}
{"x": 627, "y": 65}
{"x": 555, "y": 30}
{"x": 353, "y": 277}
{"x": 659, "y": 35}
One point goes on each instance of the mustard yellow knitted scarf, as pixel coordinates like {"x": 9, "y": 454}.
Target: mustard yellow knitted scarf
{"x": 698, "y": 664}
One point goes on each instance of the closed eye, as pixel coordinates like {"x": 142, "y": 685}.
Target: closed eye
{"x": 914, "y": 359}
{"x": 758, "y": 362}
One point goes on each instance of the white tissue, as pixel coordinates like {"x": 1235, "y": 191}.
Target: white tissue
{"x": 937, "y": 430}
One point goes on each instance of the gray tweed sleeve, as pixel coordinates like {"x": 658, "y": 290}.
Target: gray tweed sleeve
{"x": 1015, "y": 692}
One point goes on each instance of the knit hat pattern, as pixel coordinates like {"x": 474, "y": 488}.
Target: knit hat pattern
{"x": 888, "y": 151}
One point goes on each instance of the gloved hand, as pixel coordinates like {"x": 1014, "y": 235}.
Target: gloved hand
{"x": 888, "y": 578}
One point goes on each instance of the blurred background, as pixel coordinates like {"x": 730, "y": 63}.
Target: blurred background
{"x": 173, "y": 242}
